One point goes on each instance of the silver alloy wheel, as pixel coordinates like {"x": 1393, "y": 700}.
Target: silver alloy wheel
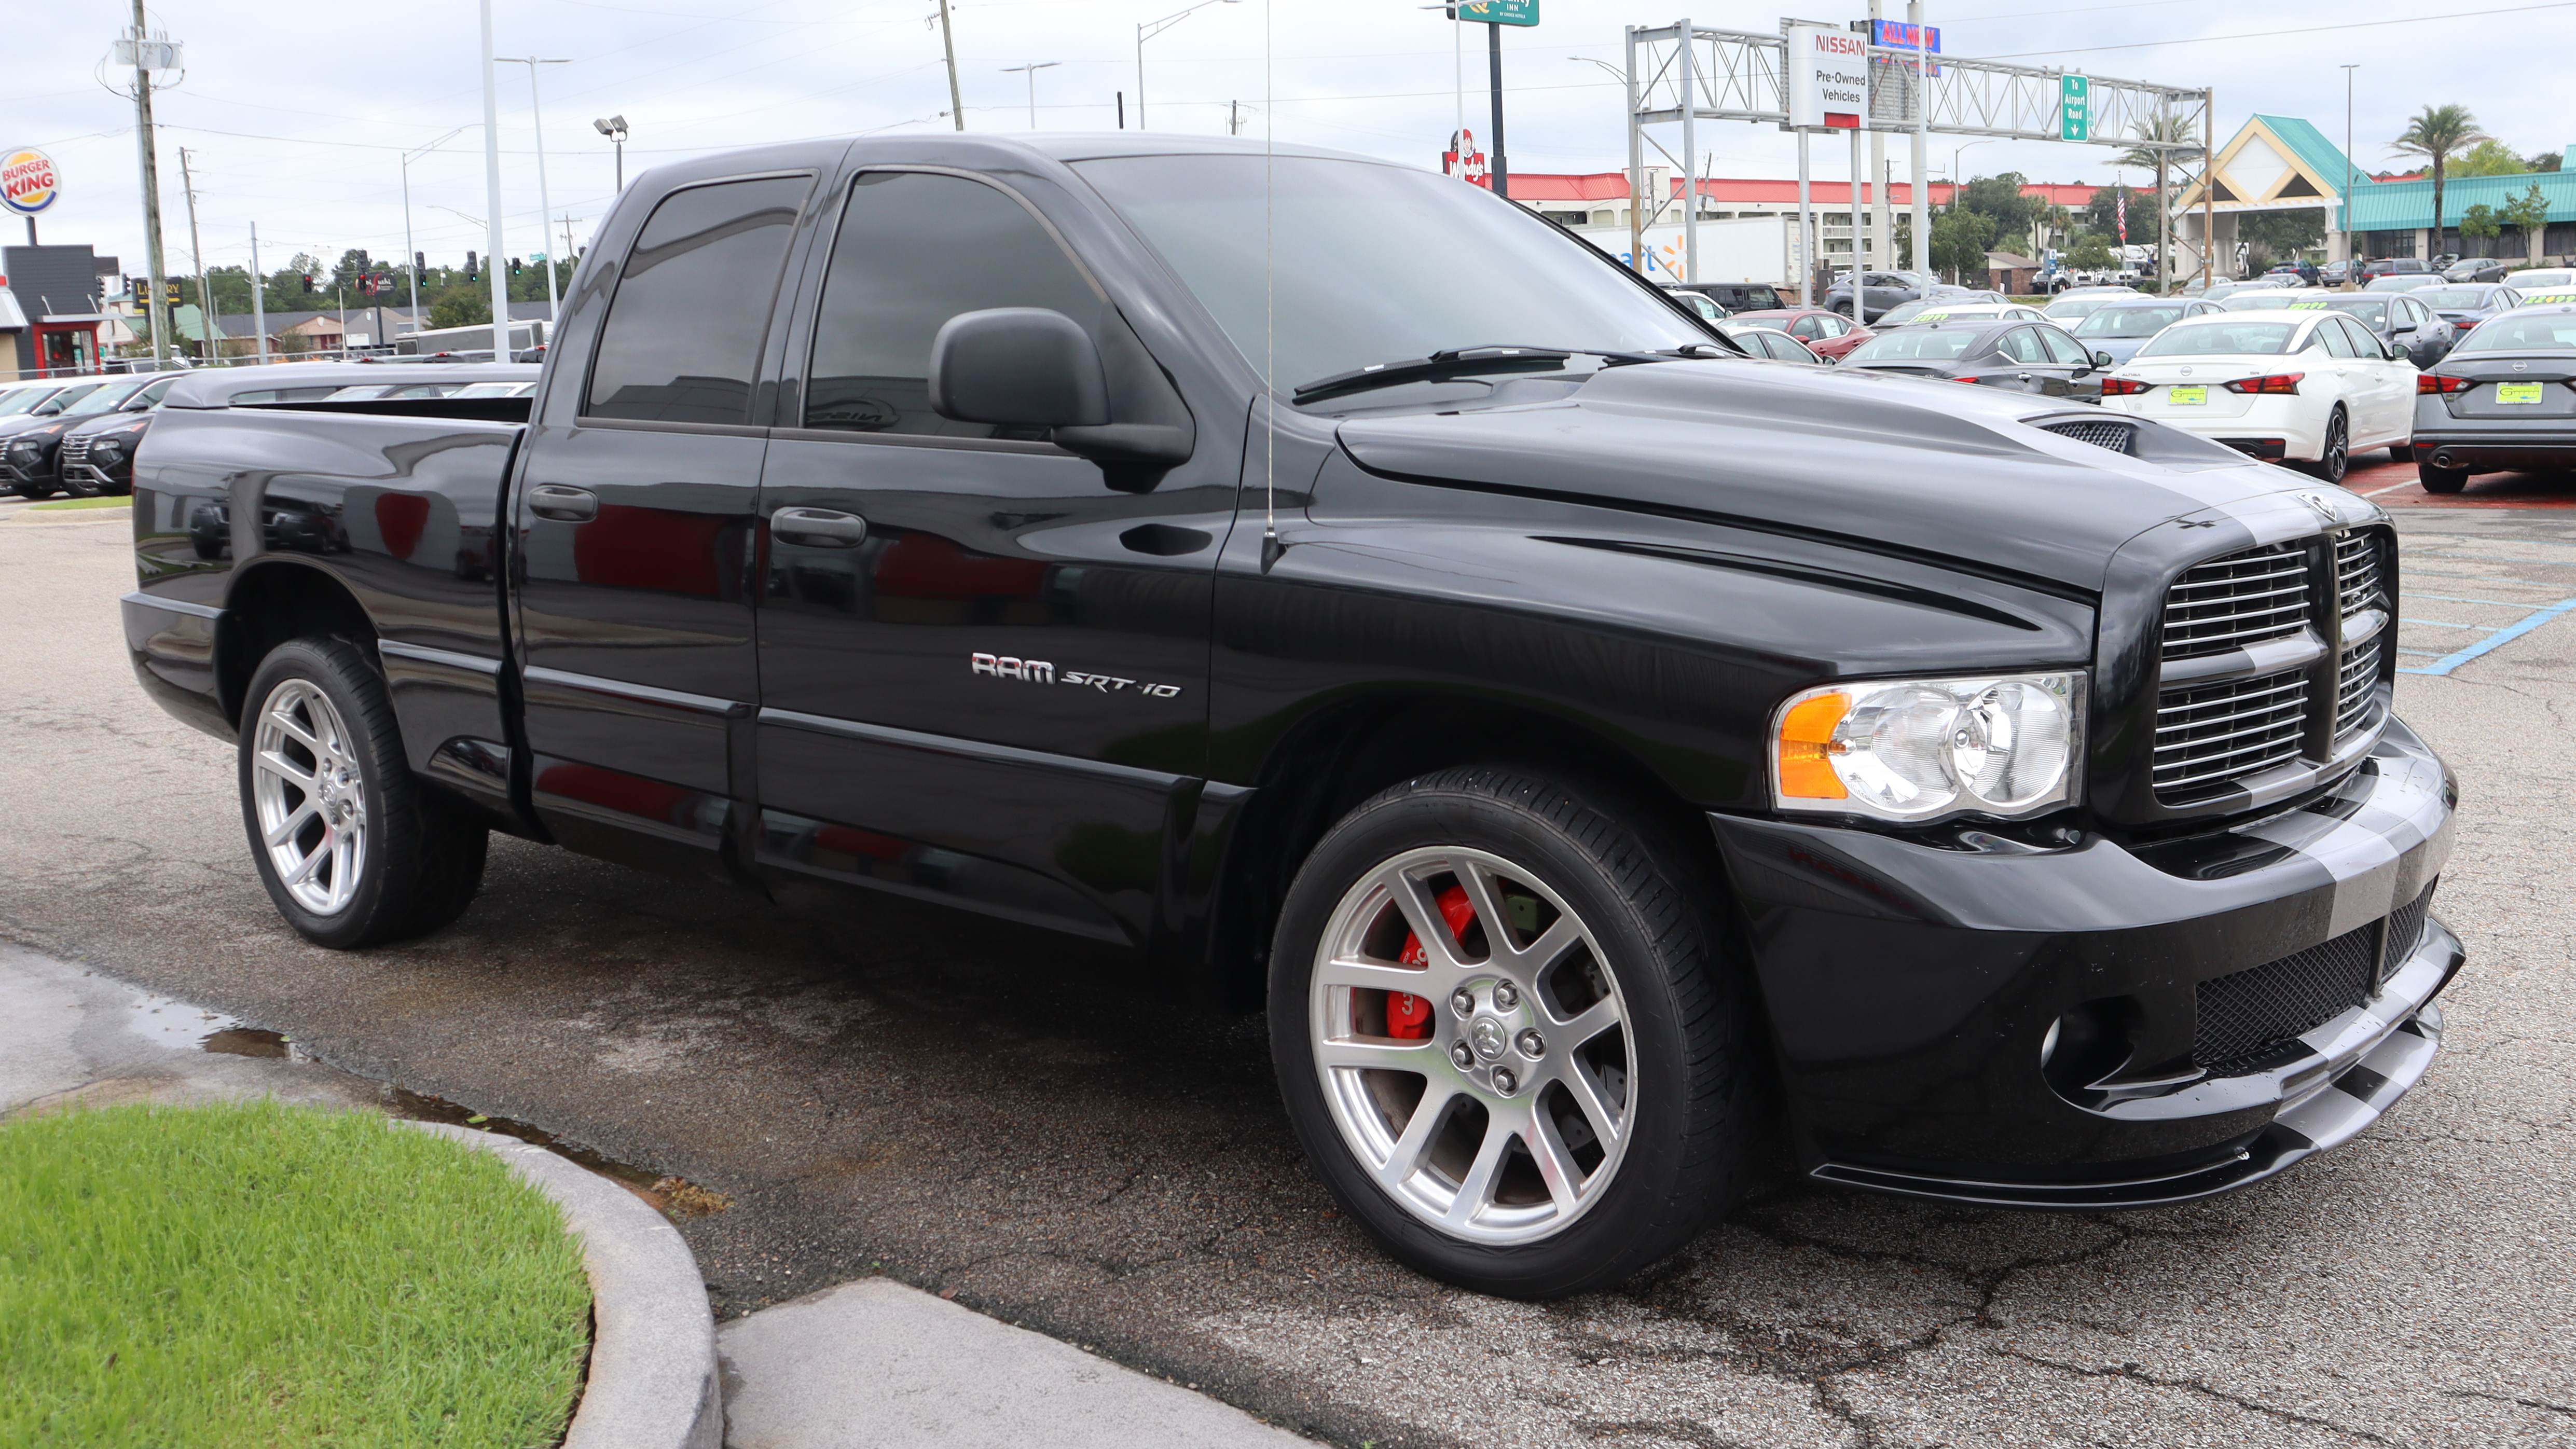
{"x": 1508, "y": 1120}
{"x": 309, "y": 797}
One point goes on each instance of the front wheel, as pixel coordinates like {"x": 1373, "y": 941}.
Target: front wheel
{"x": 353, "y": 850}
{"x": 1509, "y": 1035}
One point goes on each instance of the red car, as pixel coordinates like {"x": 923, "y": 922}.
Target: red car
{"x": 1827, "y": 334}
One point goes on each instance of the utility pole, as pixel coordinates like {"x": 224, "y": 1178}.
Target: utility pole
{"x": 567, "y": 251}
{"x": 206, "y": 313}
{"x": 1882, "y": 214}
{"x": 492, "y": 198}
{"x": 956, "y": 99}
{"x": 1031, "y": 70}
{"x": 157, "y": 307}
{"x": 1688, "y": 55}
{"x": 1636, "y": 167}
{"x": 258, "y": 302}
{"x": 2349, "y": 259}
{"x": 545, "y": 207}
{"x": 1148, "y": 31}
{"x": 408, "y": 158}
{"x": 1234, "y": 118}
{"x": 1499, "y": 171}
{"x": 1922, "y": 137}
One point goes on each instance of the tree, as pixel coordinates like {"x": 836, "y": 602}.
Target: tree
{"x": 1999, "y": 200}
{"x": 2102, "y": 214}
{"x": 2489, "y": 157}
{"x": 2155, "y": 128}
{"x": 2269, "y": 234}
{"x": 2435, "y": 134}
{"x": 2529, "y": 211}
{"x": 2091, "y": 253}
{"x": 460, "y": 307}
{"x": 1959, "y": 241}
{"x": 2479, "y": 222}
{"x": 2542, "y": 161}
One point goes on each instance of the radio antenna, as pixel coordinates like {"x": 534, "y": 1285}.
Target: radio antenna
{"x": 1270, "y": 548}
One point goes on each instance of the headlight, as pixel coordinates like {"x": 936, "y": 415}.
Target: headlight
{"x": 1918, "y": 749}
{"x": 26, "y": 449}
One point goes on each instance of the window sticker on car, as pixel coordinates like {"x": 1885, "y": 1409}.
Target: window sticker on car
{"x": 2531, "y": 297}
{"x": 2187, "y": 397}
{"x": 2517, "y": 392}
{"x": 2306, "y": 307}
{"x": 1931, "y": 316}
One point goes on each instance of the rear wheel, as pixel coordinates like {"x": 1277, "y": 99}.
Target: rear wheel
{"x": 2440, "y": 480}
{"x": 1507, "y": 1035}
{"x": 2335, "y": 455}
{"x": 353, "y": 850}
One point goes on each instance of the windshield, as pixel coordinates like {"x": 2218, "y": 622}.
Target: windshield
{"x": 2128, "y": 322}
{"x": 24, "y": 399}
{"x": 2065, "y": 308}
{"x": 1915, "y": 344}
{"x": 106, "y": 399}
{"x": 1374, "y": 264}
{"x": 2221, "y": 339}
{"x": 2457, "y": 299}
{"x": 2523, "y": 332}
{"x": 2532, "y": 280}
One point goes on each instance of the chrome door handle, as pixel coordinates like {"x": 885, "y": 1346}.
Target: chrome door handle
{"x": 563, "y": 504}
{"x": 2021, "y": 376}
{"x": 819, "y": 527}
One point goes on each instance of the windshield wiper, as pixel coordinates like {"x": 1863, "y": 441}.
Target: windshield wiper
{"x": 1460, "y": 362}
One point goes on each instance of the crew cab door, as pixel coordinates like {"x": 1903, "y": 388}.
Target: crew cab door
{"x": 636, "y": 517}
{"x": 983, "y": 667}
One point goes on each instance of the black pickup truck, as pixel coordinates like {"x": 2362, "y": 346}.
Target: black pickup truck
{"x": 1599, "y": 751}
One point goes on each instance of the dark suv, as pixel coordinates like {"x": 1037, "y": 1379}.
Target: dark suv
{"x": 1737, "y": 296}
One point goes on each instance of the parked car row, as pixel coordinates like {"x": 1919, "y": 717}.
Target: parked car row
{"x": 78, "y": 435}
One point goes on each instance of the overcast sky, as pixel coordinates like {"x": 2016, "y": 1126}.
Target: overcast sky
{"x": 308, "y": 148}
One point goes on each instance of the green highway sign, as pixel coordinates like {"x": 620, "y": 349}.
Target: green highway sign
{"x": 2074, "y": 108}
{"x": 1497, "y": 12}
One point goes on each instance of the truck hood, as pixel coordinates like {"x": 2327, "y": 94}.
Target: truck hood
{"x": 1884, "y": 464}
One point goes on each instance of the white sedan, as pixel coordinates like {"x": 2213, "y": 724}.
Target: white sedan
{"x": 2311, "y": 388}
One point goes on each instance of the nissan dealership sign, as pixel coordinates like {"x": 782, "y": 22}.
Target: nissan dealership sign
{"x": 1828, "y": 77}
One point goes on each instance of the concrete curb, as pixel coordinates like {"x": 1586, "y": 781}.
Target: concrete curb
{"x": 653, "y": 1381}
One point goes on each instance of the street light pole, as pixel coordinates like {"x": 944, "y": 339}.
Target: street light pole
{"x": 2348, "y": 258}
{"x": 1032, "y": 69}
{"x": 407, "y": 159}
{"x": 545, "y": 206}
{"x": 492, "y": 196}
{"x": 1148, "y": 31}
{"x": 614, "y": 128}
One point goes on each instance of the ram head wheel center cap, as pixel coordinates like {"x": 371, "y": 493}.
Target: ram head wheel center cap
{"x": 1490, "y": 1038}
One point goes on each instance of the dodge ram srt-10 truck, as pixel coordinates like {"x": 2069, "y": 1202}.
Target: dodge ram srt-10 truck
{"x": 1600, "y": 752}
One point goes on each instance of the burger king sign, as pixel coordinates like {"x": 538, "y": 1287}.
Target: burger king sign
{"x": 27, "y": 181}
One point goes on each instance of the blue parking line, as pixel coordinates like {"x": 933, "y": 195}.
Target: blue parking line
{"x": 2438, "y": 624}
{"x": 2488, "y": 579}
{"x": 2454, "y": 599}
{"x": 2555, "y": 563}
{"x": 2496, "y": 640}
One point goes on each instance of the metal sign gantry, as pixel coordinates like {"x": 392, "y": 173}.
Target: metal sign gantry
{"x": 1683, "y": 73}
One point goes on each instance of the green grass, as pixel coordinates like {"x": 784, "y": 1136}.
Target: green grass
{"x": 258, "y": 1275}
{"x": 109, "y": 500}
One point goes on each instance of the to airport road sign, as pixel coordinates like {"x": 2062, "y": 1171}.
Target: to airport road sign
{"x": 2074, "y": 108}
{"x": 1498, "y": 12}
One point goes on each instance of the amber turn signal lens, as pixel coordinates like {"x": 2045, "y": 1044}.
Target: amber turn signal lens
{"x": 1806, "y": 738}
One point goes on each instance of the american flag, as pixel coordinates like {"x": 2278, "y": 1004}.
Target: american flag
{"x": 2121, "y": 201}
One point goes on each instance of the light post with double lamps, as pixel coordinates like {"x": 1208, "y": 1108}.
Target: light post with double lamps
{"x": 1032, "y": 69}
{"x": 408, "y": 158}
{"x": 614, "y": 128}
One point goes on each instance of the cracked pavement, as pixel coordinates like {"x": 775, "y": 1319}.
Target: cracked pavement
{"x": 1013, "y": 1117}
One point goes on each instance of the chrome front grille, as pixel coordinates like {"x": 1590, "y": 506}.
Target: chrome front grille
{"x": 2357, "y": 690}
{"x": 2213, "y": 734}
{"x": 2118, "y": 437}
{"x": 73, "y": 464}
{"x": 2252, "y": 679}
{"x": 2357, "y": 583}
{"x": 75, "y": 451}
{"x": 2244, "y": 598}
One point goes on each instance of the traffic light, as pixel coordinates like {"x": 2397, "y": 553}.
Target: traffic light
{"x": 363, "y": 263}
{"x": 472, "y": 270}
{"x": 514, "y": 266}
{"x": 419, "y": 264}
{"x": 308, "y": 283}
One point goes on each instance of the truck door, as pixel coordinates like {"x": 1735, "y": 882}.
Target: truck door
{"x": 636, "y": 528}
{"x": 983, "y": 668}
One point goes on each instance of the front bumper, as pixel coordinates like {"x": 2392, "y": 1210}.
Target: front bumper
{"x": 1913, "y": 988}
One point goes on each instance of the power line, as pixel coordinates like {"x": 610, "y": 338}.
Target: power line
{"x": 2272, "y": 34}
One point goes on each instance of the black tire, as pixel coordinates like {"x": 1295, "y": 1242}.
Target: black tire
{"x": 33, "y": 492}
{"x": 423, "y": 855}
{"x": 2335, "y": 453}
{"x": 2440, "y": 480}
{"x": 1694, "y": 1122}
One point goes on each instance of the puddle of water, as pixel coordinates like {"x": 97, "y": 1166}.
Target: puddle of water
{"x": 179, "y": 1025}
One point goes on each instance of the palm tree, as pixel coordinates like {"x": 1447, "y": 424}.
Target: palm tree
{"x": 2435, "y": 133}
{"x": 2154, "y": 128}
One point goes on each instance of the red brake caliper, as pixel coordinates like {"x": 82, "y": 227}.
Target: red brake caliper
{"x": 1408, "y": 1017}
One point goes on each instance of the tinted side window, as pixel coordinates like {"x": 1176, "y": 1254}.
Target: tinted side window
{"x": 916, "y": 249}
{"x": 2062, "y": 348}
{"x": 2338, "y": 342}
{"x": 2022, "y": 345}
{"x": 682, "y": 340}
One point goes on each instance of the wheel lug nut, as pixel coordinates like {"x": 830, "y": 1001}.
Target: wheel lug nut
{"x": 1533, "y": 1045}
{"x": 1506, "y": 996}
{"x": 1460, "y": 1053}
{"x": 1505, "y": 1082}
{"x": 1462, "y": 1001}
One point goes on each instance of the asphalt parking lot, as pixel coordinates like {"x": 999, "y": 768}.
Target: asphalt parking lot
{"x": 973, "y": 1107}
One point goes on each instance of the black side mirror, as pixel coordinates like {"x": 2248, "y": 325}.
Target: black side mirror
{"x": 1017, "y": 367}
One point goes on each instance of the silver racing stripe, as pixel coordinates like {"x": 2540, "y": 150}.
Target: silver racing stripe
{"x": 2365, "y": 852}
